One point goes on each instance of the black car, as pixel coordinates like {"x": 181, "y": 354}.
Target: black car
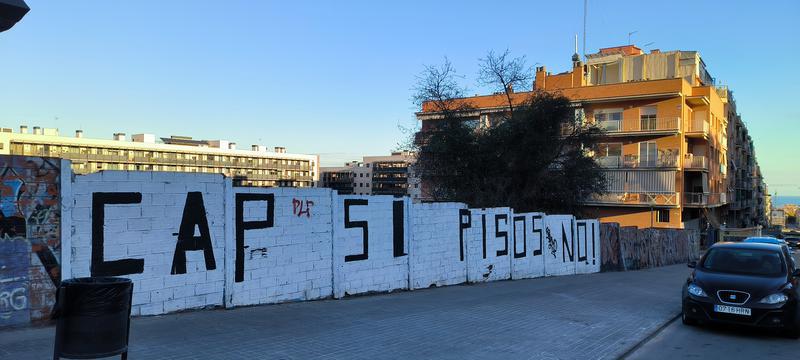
{"x": 744, "y": 283}
{"x": 792, "y": 241}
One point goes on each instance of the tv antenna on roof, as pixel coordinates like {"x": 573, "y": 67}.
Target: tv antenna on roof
{"x": 585, "y": 7}
{"x": 629, "y": 35}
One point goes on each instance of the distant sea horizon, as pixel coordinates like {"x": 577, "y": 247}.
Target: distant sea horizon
{"x": 780, "y": 200}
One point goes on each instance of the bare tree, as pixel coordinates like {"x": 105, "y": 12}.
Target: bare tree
{"x": 438, "y": 86}
{"x": 504, "y": 73}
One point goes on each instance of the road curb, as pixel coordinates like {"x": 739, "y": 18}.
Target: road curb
{"x": 649, "y": 337}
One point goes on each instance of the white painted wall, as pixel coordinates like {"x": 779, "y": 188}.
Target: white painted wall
{"x": 378, "y": 269}
{"x": 560, "y": 245}
{"x": 148, "y": 231}
{"x": 291, "y": 260}
{"x": 435, "y": 249}
{"x": 489, "y": 265}
{"x": 529, "y": 245}
{"x": 587, "y": 243}
{"x": 297, "y": 252}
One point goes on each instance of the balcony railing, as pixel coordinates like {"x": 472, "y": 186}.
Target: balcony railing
{"x": 698, "y": 126}
{"x": 695, "y": 162}
{"x": 641, "y": 125}
{"x": 635, "y": 162}
{"x": 636, "y": 198}
{"x": 704, "y": 199}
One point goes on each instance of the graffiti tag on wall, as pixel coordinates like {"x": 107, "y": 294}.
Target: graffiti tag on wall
{"x": 30, "y": 222}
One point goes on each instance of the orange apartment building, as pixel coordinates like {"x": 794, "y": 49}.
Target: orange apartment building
{"x": 666, "y": 146}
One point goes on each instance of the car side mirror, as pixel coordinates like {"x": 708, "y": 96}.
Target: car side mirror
{"x": 692, "y": 264}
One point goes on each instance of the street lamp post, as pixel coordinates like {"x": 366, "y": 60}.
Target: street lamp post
{"x": 11, "y": 12}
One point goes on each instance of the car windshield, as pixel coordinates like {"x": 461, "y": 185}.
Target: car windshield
{"x": 744, "y": 261}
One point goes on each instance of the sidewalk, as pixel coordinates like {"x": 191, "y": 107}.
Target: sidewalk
{"x": 570, "y": 317}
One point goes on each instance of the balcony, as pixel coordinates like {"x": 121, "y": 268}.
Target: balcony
{"x": 645, "y": 126}
{"x": 665, "y": 160}
{"x": 695, "y": 162}
{"x": 692, "y": 199}
{"x": 698, "y": 128}
{"x": 636, "y": 199}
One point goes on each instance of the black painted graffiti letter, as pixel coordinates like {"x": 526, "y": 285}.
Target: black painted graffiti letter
{"x": 99, "y": 266}
{"x": 483, "y": 226}
{"x": 464, "y": 222}
{"x": 524, "y": 237}
{"x": 501, "y": 234}
{"x": 536, "y": 230}
{"x": 356, "y": 224}
{"x": 194, "y": 214}
{"x": 242, "y": 225}
{"x": 397, "y": 224}
{"x": 567, "y": 247}
{"x": 585, "y": 246}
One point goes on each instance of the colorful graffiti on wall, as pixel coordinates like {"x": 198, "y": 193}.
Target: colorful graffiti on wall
{"x": 629, "y": 248}
{"x": 30, "y": 237}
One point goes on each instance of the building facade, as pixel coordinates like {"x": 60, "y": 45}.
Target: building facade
{"x": 254, "y": 167}
{"x": 374, "y": 175}
{"x": 665, "y": 151}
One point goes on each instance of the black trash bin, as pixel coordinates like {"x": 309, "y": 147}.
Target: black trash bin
{"x": 93, "y": 317}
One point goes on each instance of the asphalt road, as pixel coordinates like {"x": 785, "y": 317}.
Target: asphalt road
{"x": 678, "y": 341}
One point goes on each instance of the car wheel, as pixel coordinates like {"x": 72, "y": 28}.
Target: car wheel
{"x": 687, "y": 320}
{"x": 792, "y": 332}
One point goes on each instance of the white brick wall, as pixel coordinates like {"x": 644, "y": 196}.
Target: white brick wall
{"x": 490, "y": 266}
{"x": 147, "y": 231}
{"x": 560, "y": 255}
{"x": 529, "y": 245}
{"x": 381, "y": 270}
{"x": 301, "y": 255}
{"x": 587, "y": 243}
{"x": 435, "y": 257}
{"x": 291, "y": 260}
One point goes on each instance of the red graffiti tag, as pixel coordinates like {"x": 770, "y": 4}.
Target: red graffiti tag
{"x": 301, "y": 208}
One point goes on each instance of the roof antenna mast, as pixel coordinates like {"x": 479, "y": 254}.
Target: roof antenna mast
{"x": 585, "y": 9}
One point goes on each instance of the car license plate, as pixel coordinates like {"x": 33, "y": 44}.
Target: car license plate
{"x": 732, "y": 310}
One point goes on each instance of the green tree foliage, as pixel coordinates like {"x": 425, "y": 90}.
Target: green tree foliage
{"x": 531, "y": 158}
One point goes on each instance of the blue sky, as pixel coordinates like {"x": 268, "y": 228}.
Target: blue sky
{"x": 334, "y": 78}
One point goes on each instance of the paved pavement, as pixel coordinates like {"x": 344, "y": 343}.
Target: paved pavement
{"x": 595, "y": 316}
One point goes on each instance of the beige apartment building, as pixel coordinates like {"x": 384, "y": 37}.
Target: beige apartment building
{"x": 374, "y": 175}
{"x": 143, "y": 152}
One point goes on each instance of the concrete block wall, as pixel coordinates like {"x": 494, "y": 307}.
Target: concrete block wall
{"x": 587, "y": 246}
{"x": 437, "y": 248}
{"x": 370, "y": 244}
{"x": 559, "y": 236}
{"x": 284, "y": 253}
{"x": 31, "y": 230}
{"x": 165, "y": 231}
{"x": 529, "y": 245}
{"x": 193, "y": 240}
{"x": 488, "y": 245}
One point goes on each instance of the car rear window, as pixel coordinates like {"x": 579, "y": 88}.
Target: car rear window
{"x": 744, "y": 261}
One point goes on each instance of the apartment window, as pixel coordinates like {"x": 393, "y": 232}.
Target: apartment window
{"x": 647, "y": 116}
{"x": 610, "y": 149}
{"x": 608, "y": 119}
{"x": 662, "y": 216}
{"x": 485, "y": 123}
{"x": 648, "y": 153}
